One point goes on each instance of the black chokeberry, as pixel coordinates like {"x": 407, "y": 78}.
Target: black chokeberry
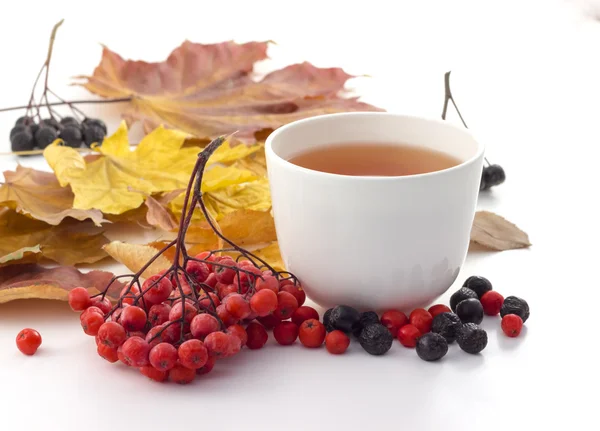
{"x": 95, "y": 122}
{"x": 34, "y": 127}
{"x": 460, "y": 295}
{"x": 494, "y": 175}
{"x": 68, "y": 120}
{"x": 327, "y": 320}
{"x": 472, "y": 338}
{"x": 24, "y": 121}
{"x": 447, "y": 325}
{"x": 376, "y": 339}
{"x": 470, "y": 311}
{"x": 344, "y": 317}
{"x": 515, "y": 305}
{"x": 45, "y": 136}
{"x": 483, "y": 185}
{"x": 93, "y": 134}
{"x": 365, "y": 318}
{"x": 71, "y": 135}
{"x": 431, "y": 346}
{"x": 480, "y": 285}
{"x": 51, "y": 122}
{"x": 21, "y": 141}
{"x": 18, "y": 129}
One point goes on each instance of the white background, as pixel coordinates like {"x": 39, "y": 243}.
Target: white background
{"x": 527, "y": 76}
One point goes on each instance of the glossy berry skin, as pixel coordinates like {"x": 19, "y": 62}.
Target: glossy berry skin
{"x": 192, "y": 354}
{"x": 207, "y": 367}
{"x": 159, "y": 314}
{"x": 91, "y": 321}
{"x": 154, "y": 374}
{"x": 79, "y": 299}
{"x": 479, "y": 285}
{"x": 515, "y": 305}
{"x": 268, "y": 281}
{"x": 421, "y": 319}
{"x": 408, "y": 335}
{"x": 112, "y": 334}
{"x": 238, "y": 331}
{"x": 394, "y": 320}
{"x": 432, "y": 347}
{"x": 198, "y": 270}
{"x": 203, "y": 324}
{"x": 447, "y": 325}
{"x": 470, "y": 311}
{"x": 156, "y": 289}
{"x": 512, "y": 325}
{"x": 344, "y": 318}
{"x": 436, "y": 309}
{"x": 460, "y": 295}
{"x": 163, "y": 356}
{"x": 312, "y": 333}
{"x": 107, "y": 353}
{"x": 295, "y": 290}
{"x": 264, "y": 302}
{"x": 136, "y": 351}
{"x": 336, "y": 342}
{"x": 103, "y": 304}
{"x": 237, "y": 306}
{"x": 286, "y": 333}
{"x": 376, "y": 339}
{"x": 133, "y": 318}
{"x": 492, "y": 303}
{"x": 286, "y": 305}
{"x": 304, "y": 313}
{"x": 257, "y": 336}
{"x": 472, "y": 338}
{"x": 182, "y": 375}
{"x": 28, "y": 341}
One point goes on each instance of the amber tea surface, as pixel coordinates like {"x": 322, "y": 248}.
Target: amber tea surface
{"x": 374, "y": 159}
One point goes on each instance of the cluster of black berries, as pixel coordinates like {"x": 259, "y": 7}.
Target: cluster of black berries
{"x": 493, "y": 175}
{"x": 27, "y": 135}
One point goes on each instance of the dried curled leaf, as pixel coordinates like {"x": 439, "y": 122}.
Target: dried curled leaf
{"x": 495, "y": 232}
{"x": 135, "y": 256}
{"x": 39, "y": 195}
{"x": 22, "y": 255}
{"x": 67, "y": 244}
{"x": 31, "y": 281}
{"x": 159, "y": 216}
{"x": 207, "y": 90}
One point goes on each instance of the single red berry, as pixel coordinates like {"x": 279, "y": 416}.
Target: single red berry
{"x": 218, "y": 344}
{"x": 91, "y": 320}
{"x": 268, "y": 281}
{"x": 511, "y": 324}
{"x": 394, "y": 320}
{"x": 171, "y": 333}
{"x": 257, "y": 335}
{"x": 224, "y": 270}
{"x": 152, "y": 337}
{"x": 108, "y": 353}
{"x": 237, "y": 306}
{"x": 154, "y": 374}
{"x": 163, "y": 356}
{"x": 246, "y": 264}
{"x": 312, "y": 333}
{"x": 116, "y": 315}
{"x": 421, "y": 319}
{"x": 408, "y": 335}
{"x": 337, "y": 342}
{"x": 295, "y": 290}
{"x": 264, "y": 302}
{"x": 207, "y": 367}
{"x": 492, "y": 302}
{"x": 182, "y": 375}
{"x": 436, "y": 309}
{"x": 304, "y": 313}
{"x": 136, "y": 351}
{"x": 203, "y": 324}
{"x": 207, "y": 256}
{"x": 133, "y": 318}
{"x": 207, "y": 303}
{"x": 285, "y": 333}
{"x": 157, "y": 289}
{"x": 211, "y": 281}
{"x": 129, "y": 294}
{"x": 243, "y": 280}
{"x": 103, "y": 304}
{"x": 225, "y": 317}
{"x": 111, "y": 334}
{"x": 159, "y": 314}
{"x": 224, "y": 290}
{"x": 269, "y": 321}
{"x": 286, "y": 305}
{"x": 238, "y": 331}
{"x": 198, "y": 270}
{"x": 79, "y": 299}
{"x": 176, "y": 312}
{"x": 28, "y": 341}
{"x": 192, "y": 354}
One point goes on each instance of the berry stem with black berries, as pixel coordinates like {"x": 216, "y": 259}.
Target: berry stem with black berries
{"x": 492, "y": 175}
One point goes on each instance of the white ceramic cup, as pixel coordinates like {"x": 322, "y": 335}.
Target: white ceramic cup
{"x": 373, "y": 242}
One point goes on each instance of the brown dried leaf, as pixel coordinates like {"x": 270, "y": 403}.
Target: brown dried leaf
{"x": 22, "y": 255}
{"x": 30, "y": 281}
{"x": 39, "y": 195}
{"x": 159, "y": 216}
{"x": 207, "y": 90}
{"x": 495, "y": 232}
{"x": 135, "y": 256}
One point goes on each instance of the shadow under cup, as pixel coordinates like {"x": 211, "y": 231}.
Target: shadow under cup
{"x": 373, "y": 242}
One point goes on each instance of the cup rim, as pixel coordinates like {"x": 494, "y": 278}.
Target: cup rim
{"x": 325, "y": 117}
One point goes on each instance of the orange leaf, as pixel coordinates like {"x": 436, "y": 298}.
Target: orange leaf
{"x": 159, "y": 216}
{"x": 207, "y": 90}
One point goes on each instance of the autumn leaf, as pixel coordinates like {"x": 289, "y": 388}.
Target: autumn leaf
{"x": 269, "y": 254}
{"x": 135, "y": 256}
{"x": 495, "y": 232}
{"x": 39, "y": 195}
{"x": 67, "y": 244}
{"x": 22, "y": 255}
{"x": 158, "y": 216}
{"x": 208, "y": 91}
{"x": 31, "y": 281}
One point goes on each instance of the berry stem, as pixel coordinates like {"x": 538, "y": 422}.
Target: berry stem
{"x": 72, "y": 102}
